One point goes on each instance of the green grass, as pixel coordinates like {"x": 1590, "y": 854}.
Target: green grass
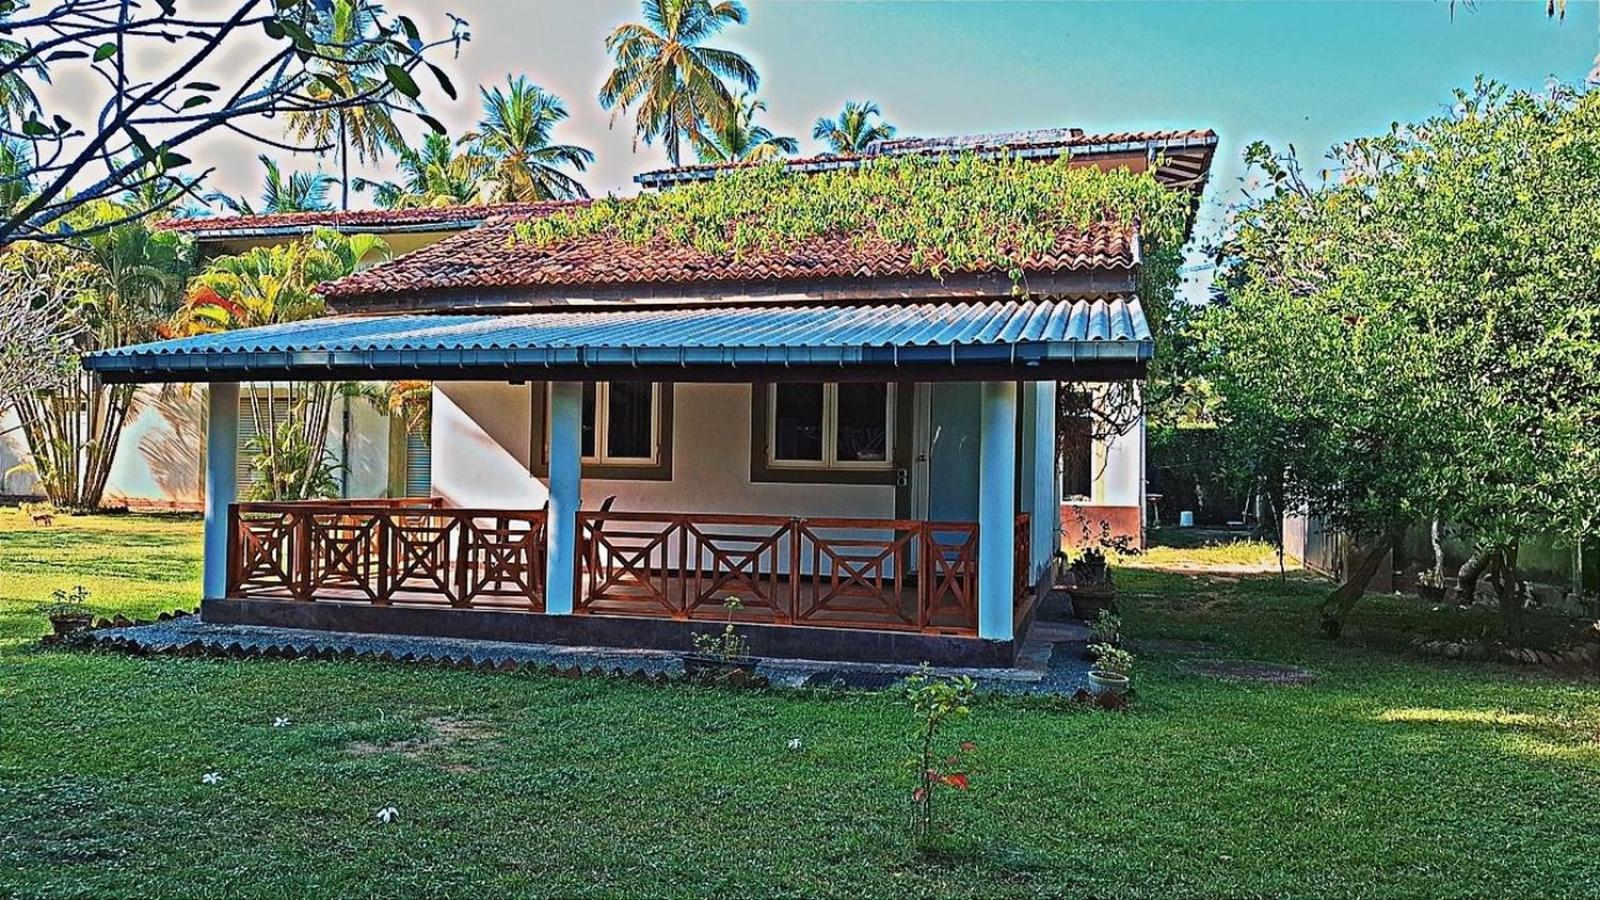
{"x": 1388, "y": 776}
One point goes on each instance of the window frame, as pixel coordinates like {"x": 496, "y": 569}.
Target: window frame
{"x": 830, "y": 435}
{"x": 658, "y": 467}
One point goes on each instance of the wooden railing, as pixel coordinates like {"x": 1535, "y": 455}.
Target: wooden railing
{"x": 896, "y": 574}
{"x": 383, "y": 551}
{"x": 1021, "y": 566}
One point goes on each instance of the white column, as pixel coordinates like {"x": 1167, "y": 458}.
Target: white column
{"x": 566, "y": 449}
{"x": 997, "y": 511}
{"x": 222, "y": 458}
{"x": 1046, "y": 509}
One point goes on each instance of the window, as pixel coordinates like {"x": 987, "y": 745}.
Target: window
{"x": 831, "y": 426}
{"x": 621, "y": 424}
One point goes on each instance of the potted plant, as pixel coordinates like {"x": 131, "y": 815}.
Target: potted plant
{"x": 1092, "y": 590}
{"x": 69, "y": 611}
{"x": 1109, "y": 674}
{"x": 721, "y": 654}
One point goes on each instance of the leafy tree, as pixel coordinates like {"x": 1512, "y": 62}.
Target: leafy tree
{"x": 1414, "y": 338}
{"x": 119, "y": 289}
{"x": 139, "y": 65}
{"x": 740, "y": 139}
{"x": 40, "y": 286}
{"x": 513, "y": 146}
{"x": 675, "y": 83}
{"x": 434, "y": 175}
{"x": 296, "y": 192}
{"x": 853, "y": 130}
{"x": 268, "y": 286}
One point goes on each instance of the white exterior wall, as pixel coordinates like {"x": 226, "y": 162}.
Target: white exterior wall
{"x": 483, "y": 454}
{"x": 1120, "y": 469}
{"x": 160, "y": 460}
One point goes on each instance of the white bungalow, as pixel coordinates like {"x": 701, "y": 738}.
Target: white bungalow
{"x": 624, "y": 437}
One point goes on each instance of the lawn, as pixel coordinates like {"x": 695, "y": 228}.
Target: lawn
{"x": 1389, "y": 775}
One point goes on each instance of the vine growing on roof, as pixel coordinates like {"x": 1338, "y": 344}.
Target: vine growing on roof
{"x": 952, "y": 213}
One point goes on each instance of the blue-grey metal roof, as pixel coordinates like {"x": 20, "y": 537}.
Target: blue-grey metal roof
{"x": 1010, "y": 332}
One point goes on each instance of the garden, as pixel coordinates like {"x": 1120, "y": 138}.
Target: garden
{"x": 1388, "y": 773}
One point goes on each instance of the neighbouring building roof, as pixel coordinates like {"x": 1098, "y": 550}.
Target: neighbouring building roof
{"x": 488, "y": 258}
{"x": 1017, "y": 338}
{"x": 1185, "y": 156}
{"x": 380, "y": 221}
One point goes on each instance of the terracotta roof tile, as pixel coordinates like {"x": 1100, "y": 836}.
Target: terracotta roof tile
{"x": 488, "y": 258}
{"x": 447, "y": 217}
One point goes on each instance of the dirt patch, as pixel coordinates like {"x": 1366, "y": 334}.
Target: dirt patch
{"x": 1247, "y": 671}
{"x": 445, "y": 733}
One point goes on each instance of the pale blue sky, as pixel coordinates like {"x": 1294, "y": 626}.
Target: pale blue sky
{"x": 1307, "y": 73}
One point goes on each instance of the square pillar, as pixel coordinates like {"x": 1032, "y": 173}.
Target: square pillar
{"x": 1046, "y": 521}
{"x": 222, "y": 488}
{"x": 997, "y": 509}
{"x": 561, "y": 529}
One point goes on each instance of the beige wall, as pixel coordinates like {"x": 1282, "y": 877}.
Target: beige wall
{"x": 482, "y": 457}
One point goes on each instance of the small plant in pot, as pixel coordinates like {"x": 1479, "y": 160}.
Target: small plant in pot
{"x": 69, "y": 611}
{"x": 722, "y": 653}
{"x": 1109, "y": 674}
{"x": 1093, "y": 591}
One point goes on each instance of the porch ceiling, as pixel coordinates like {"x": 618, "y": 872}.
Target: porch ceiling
{"x": 1014, "y": 339}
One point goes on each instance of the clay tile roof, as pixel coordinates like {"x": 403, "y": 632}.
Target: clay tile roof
{"x": 487, "y": 257}
{"x": 445, "y": 218}
{"x": 1041, "y": 142}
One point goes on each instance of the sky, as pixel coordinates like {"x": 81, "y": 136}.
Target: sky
{"x": 1307, "y": 74}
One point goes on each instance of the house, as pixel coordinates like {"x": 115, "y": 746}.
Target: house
{"x": 624, "y": 436}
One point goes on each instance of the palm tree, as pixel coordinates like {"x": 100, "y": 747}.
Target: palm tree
{"x": 17, "y": 99}
{"x": 676, "y": 83}
{"x": 266, "y": 286}
{"x": 740, "y": 139}
{"x": 296, "y": 192}
{"x": 368, "y": 129}
{"x": 513, "y": 141}
{"x": 853, "y": 130}
{"x": 434, "y": 175}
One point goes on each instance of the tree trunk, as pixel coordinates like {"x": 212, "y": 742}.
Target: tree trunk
{"x": 1508, "y": 589}
{"x": 1467, "y": 576}
{"x": 344, "y": 165}
{"x": 1436, "y": 536}
{"x": 1336, "y": 608}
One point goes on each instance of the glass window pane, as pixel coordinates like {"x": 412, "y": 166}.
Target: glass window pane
{"x": 797, "y": 422}
{"x": 587, "y": 431}
{"x": 863, "y": 434}
{"x": 628, "y": 420}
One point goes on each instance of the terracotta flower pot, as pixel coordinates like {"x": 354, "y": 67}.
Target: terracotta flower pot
{"x": 66, "y": 624}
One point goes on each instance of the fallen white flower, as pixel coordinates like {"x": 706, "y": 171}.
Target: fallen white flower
{"x": 280, "y": 722}
{"x": 794, "y": 744}
{"x": 211, "y": 778}
{"x": 388, "y": 814}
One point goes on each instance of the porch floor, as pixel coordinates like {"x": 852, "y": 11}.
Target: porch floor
{"x": 1051, "y": 660}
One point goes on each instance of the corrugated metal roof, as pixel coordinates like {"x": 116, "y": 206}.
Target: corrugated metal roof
{"x": 1011, "y": 332}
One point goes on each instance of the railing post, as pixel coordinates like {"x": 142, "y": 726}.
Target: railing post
{"x": 997, "y": 473}
{"x": 566, "y": 449}
{"x": 222, "y": 457}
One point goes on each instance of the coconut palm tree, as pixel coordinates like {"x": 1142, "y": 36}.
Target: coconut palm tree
{"x": 854, "y": 129}
{"x": 513, "y": 142}
{"x": 295, "y": 192}
{"x": 740, "y": 139}
{"x": 674, "y": 83}
{"x": 17, "y": 98}
{"x": 433, "y": 175}
{"x": 367, "y": 129}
